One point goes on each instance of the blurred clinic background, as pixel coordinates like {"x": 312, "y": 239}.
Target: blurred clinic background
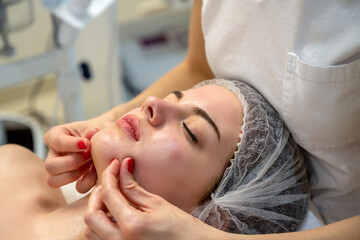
{"x": 69, "y": 60}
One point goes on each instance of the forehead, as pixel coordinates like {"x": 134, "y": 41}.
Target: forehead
{"x": 212, "y": 95}
{"x": 220, "y": 103}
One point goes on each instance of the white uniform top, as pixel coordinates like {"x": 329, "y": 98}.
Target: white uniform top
{"x": 303, "y": 56}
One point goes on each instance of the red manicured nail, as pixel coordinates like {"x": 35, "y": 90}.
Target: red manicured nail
{"x": 86, "y": 155}
{"x": 112, "y": 161}
{"x": 131, "y": 165}
{"x": 81, "y": 145}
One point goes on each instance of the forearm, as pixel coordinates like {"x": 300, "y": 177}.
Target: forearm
{"x": 179, "y": 78}
{"x": 191, "y": 71}
{"x": 346, "y": 230}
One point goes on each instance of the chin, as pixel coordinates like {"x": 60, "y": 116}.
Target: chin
{"x": 102, "y": 150}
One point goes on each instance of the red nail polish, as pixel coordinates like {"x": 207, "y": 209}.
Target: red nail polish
{"x": 112, "y": 161}
{"x": 131, "y": 165}
{"x": 81, "y": 145}
{"x": 86, "y": 155}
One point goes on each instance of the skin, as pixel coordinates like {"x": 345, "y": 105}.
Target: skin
{"x": 165, "y": 155}
{"x": 41, "y": 211}
{"x": 65, "y": 168}
{"x": 192, "y": 70}
{"x": 141, "y": 215}
{"x": 30, "y": 202}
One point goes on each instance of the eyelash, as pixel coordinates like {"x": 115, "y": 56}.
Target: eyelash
{"x": 194, "y": 139}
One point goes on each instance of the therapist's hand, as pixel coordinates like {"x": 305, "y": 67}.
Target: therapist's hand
{"x": 69, "y": 157}
{"x": 138, "y": 213}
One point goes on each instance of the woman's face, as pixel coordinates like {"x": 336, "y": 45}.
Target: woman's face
{"x": 180, "y": 144}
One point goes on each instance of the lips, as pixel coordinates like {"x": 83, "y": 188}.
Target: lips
{"x": 131, "y": 125}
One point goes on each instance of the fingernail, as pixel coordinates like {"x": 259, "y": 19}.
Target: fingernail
{"x": 81, "y": 145}
{"x": 131, "y": 165}
{"x": 112, "y": 161}
{"x": 86, "y": 155}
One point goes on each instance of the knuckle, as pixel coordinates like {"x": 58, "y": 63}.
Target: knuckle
{"x": 131, "y": 185}
{"x": 48, "y": 134}
{"x": 57, "y": 143}
{"x": 49, "y": 166}
{"x": 73, "y": 162}
{"x": 106, "y": 193}
{"x": 135, "y": 226}
{"x": 88, "y": 217}
{"x": 50, "y": 181}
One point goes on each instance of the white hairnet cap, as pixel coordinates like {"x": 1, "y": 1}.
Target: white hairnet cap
{"x": 265, "y": 188}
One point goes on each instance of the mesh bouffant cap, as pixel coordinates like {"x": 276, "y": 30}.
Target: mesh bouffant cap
{"x": 265, "y": 188}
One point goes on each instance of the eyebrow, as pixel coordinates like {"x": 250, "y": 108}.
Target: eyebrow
{"x": 200, "y": 112}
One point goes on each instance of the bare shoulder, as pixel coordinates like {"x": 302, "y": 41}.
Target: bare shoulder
{"x": 25, "y": 192}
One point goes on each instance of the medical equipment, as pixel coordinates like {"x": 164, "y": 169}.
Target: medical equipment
{"x": 11, "y": 120}
{"x": 60, "y": 60}
{"x": 265, "y": 188}
{"x": 153, "y": 43}
{"x": 72, "y": 16}
{"x": 10, "y": 22}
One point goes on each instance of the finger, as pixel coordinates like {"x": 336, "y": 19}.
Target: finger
{"x": 95, "y": 203}
{"x": 91, "y": 133}
{"x": 87, "y": 181}
{"x": 56, "y": 164}
{"x": 101, "y": 225}
{"x": 131, "y": 189}
{"x": 67, "y": 177}
{"x": 110, "y": 176}
{"x": 116, "y": 203}
{"x": 96, "y": 218}
{"x": 86, "y": 155}
{"x": 53, "y": 154}
{"x": 62, "y": 140}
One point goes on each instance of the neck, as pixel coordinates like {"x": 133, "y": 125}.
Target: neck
{"x": 66, "y": 223}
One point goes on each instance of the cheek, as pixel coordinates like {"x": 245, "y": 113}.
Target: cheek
{"x": 105, "y": 146}
{"x": 162, "y": 162}
{"x": 163, "y": 150}
{"x": 168, "y": 146}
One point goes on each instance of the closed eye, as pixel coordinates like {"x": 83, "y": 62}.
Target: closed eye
{"x": 200, "y": 112}
{"x": 190, "y": 134}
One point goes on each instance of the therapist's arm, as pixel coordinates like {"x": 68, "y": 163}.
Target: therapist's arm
{"x": 192, "y": 70}
{"x": 348, "y": 229}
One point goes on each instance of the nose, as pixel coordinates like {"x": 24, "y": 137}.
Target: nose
{"x": 158, "y": 111}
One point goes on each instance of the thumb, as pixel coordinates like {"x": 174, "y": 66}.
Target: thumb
{"x": 131, "y": 189}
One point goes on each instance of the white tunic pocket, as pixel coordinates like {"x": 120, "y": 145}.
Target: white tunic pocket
{"x": 321, "y": 104}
